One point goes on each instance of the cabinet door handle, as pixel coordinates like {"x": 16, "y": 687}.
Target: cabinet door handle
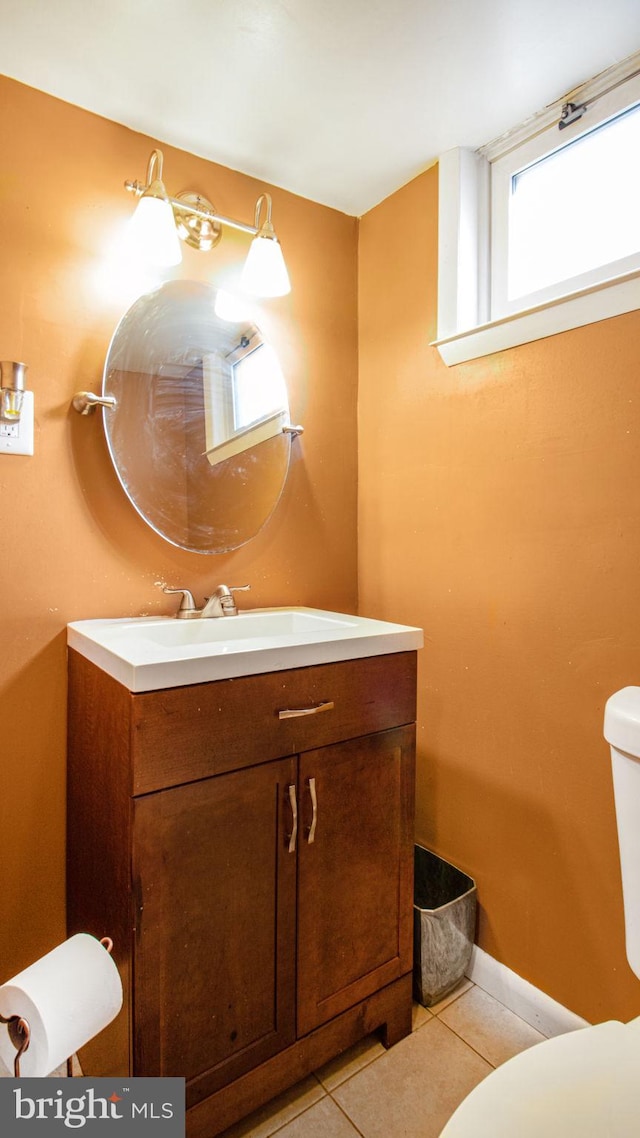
{"x": 314, "y": 806}
{"x": 293, "y": 713}
{"x": 294, "y": 812}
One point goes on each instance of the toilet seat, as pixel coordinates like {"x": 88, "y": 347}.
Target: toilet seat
{"x": 584, "y": 1083}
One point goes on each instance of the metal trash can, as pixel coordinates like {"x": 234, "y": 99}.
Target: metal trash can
{"x": 444, "y": 922}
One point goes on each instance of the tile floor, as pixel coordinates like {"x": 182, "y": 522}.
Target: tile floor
{"x": 409, "y": 1091}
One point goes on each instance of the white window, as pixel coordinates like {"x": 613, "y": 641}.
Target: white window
{"x": 258, "y": 384}
{"x": 565, "y": 206}
{"x": 245, "y": 398}
{"x": 540, "y": 231}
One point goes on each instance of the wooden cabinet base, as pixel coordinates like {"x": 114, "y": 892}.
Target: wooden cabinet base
{"x": 388, "y": 1012}
{"x": 255, "y": 873}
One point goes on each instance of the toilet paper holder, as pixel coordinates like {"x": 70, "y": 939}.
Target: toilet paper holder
{"x": 20, "y": 1032}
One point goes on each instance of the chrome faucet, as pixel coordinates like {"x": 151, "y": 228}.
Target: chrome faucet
{"x": 220, "y": 603}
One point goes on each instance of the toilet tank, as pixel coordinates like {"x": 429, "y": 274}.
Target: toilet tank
{"x": 622, "y": 732}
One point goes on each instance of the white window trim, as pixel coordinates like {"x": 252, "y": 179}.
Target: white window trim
{"x": 249, "y": 437}
{"x": 464, "y": 330}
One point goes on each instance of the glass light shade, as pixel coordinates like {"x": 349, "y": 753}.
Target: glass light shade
{"x": 264, "y": 272}
{"x": 153, "y": 232}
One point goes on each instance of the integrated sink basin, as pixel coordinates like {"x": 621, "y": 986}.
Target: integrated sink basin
{"x": 245, "y": 626}
{"x": 148, "y": 653}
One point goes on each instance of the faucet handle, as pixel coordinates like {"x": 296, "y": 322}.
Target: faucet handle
{"x": 227, "y": 590}
{"x": 187, "y": 604}
{"x": 224, "y": 595}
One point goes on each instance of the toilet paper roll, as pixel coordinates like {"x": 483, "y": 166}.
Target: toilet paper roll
{"x": 67, "y": 997}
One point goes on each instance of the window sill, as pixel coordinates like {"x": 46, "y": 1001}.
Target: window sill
{"x": 241, "y": 441}
{"x": 599, "y": 302}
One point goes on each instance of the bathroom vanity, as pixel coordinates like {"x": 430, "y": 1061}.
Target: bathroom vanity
{"x": 247, "y": 843}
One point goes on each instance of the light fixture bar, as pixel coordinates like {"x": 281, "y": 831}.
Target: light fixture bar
{"x": 264, "y": 273}
{"x": 138, "y": 188}
{"x": 211, "y": 215}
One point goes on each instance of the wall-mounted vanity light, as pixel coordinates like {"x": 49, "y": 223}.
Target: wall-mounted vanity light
{"x": 160, "y": 221}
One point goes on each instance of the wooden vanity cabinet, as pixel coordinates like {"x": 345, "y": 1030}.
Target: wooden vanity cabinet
{"x": 254, "y": 871}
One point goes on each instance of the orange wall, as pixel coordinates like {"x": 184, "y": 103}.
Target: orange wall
{"x": 499, "y": 508}
{"x": 72, "y": 546}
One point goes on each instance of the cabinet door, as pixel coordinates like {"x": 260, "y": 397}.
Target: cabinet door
{"x": 215, "y": 941}
{"x": 355, "y": 877}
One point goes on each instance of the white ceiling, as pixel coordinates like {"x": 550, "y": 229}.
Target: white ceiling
{"x": 342, "y": 101}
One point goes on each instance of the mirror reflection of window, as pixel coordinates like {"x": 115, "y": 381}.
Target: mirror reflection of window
{"x": 258, "y": 384}
{"x": 245, "y": 397}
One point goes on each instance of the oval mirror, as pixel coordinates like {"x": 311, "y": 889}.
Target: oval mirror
{"x": 196, "y": 434}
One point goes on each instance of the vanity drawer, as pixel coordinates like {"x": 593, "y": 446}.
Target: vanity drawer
{"x": 187, "y": 733}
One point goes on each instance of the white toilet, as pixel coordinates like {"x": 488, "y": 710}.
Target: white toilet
{"x": 585, "y": 1083}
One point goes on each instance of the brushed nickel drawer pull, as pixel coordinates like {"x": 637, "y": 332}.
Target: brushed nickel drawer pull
{"x": 293, "y": 713}
{"x": 314, "y": 816}
{"x": 294, "y": 812}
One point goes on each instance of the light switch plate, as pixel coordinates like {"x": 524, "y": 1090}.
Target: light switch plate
{"x": 17, "y": 438}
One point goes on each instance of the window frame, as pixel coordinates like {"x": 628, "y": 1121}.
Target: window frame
{"x": 467, "y": 326}
{"x": 223, "y": 438}
{"x": 503, "y": 169}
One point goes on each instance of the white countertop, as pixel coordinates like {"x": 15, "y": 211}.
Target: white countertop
{"x": 149, "y": 653}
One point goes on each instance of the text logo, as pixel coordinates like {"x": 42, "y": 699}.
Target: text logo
{"x": 139, "y": 1107}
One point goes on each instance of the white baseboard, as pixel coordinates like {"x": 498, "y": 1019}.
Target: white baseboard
{"x": 532, "y": 1005}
